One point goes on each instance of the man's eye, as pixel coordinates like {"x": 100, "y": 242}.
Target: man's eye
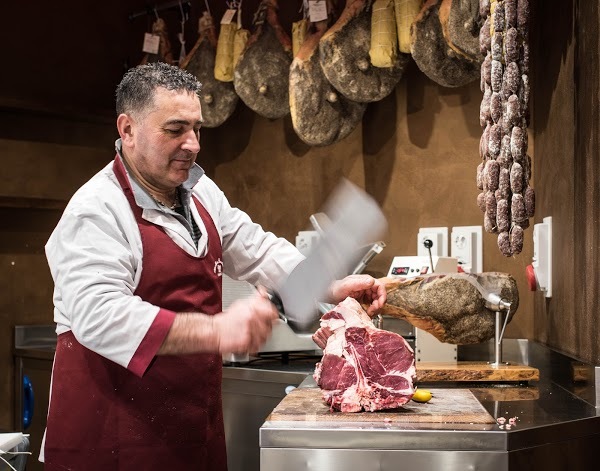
{"x": 173, "y": 131}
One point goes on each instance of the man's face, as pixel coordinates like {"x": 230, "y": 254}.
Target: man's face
{"x": 164, "y": 141}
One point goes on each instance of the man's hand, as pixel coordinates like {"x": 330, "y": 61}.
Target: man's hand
{"x": 245, "y": 326}
{"x": 364, "y": 288}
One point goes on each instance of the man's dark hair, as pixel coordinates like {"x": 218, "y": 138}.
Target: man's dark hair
{"x": 136, "y": 90}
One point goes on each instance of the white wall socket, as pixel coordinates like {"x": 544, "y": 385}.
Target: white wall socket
{"x": 437, "y": 235}
{"x": 466, "y": 244}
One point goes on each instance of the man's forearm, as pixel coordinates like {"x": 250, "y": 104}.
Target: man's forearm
{"x": 190, "y": 333}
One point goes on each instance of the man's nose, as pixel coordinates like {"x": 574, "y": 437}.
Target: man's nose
{"x": 192, "y": 141}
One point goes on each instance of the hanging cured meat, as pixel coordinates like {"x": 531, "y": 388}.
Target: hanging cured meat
{"x": 384, "y": 35}
{"x": 224, "y": 57}
{"x": 299, "y": 33}
{"x": 320, "y": 114}
{"x": 506, "y": 199}
{"x": 159, "y": 28}
{"x": 406, "y": 11}
{"x": 218, "y": 99}
{"x": 451, "y": 307}
{"x": 261, "y": 77}
{"x": 344, "y": 57}
{"x": 434, "y": 56}
{"x": 461, "y": 24}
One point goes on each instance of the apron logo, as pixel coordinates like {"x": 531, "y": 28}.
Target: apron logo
{"x": 218, "y": 267}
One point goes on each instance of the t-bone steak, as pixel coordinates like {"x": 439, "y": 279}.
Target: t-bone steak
{"x": 363, "y": 368}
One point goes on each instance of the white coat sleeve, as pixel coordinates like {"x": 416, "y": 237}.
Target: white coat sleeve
{"x": 93, "y": 265}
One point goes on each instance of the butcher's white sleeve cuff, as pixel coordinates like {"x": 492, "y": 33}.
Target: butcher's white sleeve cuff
{"x": 152, "y": 341}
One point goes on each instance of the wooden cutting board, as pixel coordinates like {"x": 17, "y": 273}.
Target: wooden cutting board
{"x": 447, "y": 405}
{"x": 474, "y": 371}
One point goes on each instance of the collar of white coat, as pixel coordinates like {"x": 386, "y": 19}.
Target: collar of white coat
{"x": 143, "y": 198}
{"x": 156, "y": 214}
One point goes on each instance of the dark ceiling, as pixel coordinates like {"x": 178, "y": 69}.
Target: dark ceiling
{"x": 68, "y": 56}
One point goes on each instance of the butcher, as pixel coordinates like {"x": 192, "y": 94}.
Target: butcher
{"x": 137, "y": 261}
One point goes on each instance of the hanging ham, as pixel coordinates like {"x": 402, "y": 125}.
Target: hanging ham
{"x": 159, "y": 28}
{"x": 320, "y": 114}
{"x": 461, "y": 24}
{"x": 344, "y": 57}
{"x": 218, "y": 99}
{"x": 434, "y": 56}
{"x": 261, "y": 77}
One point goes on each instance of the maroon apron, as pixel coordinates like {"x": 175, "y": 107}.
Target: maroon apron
{"x": 104, "y": 417}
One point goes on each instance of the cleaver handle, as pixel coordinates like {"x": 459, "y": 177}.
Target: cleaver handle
{"x": 278, "y": 303}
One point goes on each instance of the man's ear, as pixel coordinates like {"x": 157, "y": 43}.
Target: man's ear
{"x": 125, "y": 128}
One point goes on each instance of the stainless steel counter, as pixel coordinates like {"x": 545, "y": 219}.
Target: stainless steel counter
{"x": 558, "y": 426}
{"x": 555, "y": 429}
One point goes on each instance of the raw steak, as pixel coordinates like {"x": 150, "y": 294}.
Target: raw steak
{"x": 363, "y": 368}
{"x": 320, "y": 115}
{"x": 344, "y": 57}
{"x": 261, "y": 77}
{"x": 450, "y": 307}
{"x": 218, "y": 99}
{"x": 432, "y": 54}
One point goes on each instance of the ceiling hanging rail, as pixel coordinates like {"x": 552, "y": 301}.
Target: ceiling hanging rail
{"x": 152, "y": 10}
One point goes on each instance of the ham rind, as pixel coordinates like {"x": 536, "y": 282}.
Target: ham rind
{"x": 363, "y": 368}
{"x": 344, "y": 57}
{"x": 261, "y": 76}
{"x": 450, "y": 307}
{"x": 432, "y": 54}
{"x": 320, "y": 114}
{"x": 461, "y": 24}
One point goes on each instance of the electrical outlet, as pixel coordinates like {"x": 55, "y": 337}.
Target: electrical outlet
{"x": 466, "y": 245}
{"x": 438, "y": 236}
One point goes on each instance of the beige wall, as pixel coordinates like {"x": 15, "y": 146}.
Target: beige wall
{"x": 42, "y": 166}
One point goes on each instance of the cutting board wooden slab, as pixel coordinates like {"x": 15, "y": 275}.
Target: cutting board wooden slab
{"x": 447, "y": 405}
{"x": 471, "y": 371}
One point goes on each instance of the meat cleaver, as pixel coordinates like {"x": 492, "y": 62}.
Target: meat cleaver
{"x": 354, "y": 219}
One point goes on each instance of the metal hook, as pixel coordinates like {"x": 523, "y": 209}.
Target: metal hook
{"x": 156, "y": 14}
{"x": 184, "y": 15}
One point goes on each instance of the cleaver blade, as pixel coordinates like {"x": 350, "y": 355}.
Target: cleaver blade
{"x": 355, "y": 221}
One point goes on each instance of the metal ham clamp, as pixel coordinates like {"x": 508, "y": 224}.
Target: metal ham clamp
{"x": 354, "y": 219}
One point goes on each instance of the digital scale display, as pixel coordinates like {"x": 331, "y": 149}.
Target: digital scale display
{"x": 400, "y": 270}
{"x": 403, "y": 271}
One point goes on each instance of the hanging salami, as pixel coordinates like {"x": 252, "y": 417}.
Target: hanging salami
{"x": 504, "y": 42}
